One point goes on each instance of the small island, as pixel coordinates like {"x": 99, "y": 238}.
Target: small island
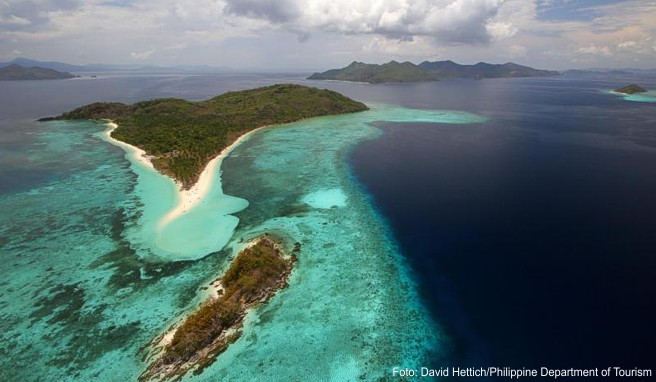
{"x": 426, "y": 71}
{"x": 181, "y": 137}
{"x": 254, "y": 276}
{"x": 17, "y": 72}
{"x": 630, "y": 89}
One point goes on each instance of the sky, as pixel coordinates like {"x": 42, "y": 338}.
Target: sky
{"x": 324, "y": 34}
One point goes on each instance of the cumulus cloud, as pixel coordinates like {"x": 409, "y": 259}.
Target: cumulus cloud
{"x": 231, "y": 32}
{"x": 500, "y": 31}
{"x": 451, "y": 21}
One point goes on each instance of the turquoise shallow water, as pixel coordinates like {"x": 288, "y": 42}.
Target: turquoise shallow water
{"x": 649, "y": 96}
{"x": 76, "y": 301}
{"x": 83, "y": 288}
{"x": 351, "y": 311}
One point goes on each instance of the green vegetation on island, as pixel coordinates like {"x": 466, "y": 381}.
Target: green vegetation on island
{"x": 426, "y": 71}
{"x": 631, "y": 89}
{"x": 374, "y": 74}
{"x": 17, "y": 72}
{"x": 183, "y": 136}
{"x": 254, "y": 276}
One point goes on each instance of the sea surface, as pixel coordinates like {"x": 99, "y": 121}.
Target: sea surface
{"x": 501, "y": 222}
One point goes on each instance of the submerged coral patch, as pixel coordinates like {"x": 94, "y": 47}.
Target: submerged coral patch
{"x": 327, "y": 198}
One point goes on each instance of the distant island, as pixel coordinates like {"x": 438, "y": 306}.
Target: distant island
{"x": 631, "y": 89}
{"x": 426, "y": 71}
{"x": 17, "y": 72}
{"x": 181, "y": 137}
{"x": 254, "y": 276}
{"x": 91, "y": 68}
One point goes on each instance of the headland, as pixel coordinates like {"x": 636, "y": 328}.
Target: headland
{"x": 188, "y": 140}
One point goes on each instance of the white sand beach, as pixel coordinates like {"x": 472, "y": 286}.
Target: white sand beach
{"x": 139, "y": 154}
{"x": 186, "y": 199}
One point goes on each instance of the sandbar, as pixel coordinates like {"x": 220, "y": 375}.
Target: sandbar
{"x": 186, "y": 199}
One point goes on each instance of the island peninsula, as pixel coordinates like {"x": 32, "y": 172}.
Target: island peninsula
{"x": 181, "y": 137}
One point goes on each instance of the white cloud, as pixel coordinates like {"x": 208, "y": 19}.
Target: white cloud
{"x": 500, "y": 31}
{"x": 453, "y": 21}
{"x": 223, "y": 32}
{"x": 15, "y": 20}
{"x": 595, "y": 50}
{"x": 627, "y": 44}
{"x": 142, "y": 55}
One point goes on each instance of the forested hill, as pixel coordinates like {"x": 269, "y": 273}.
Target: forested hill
{"x": 426, "y": 71}
{"x": 183, "y": 136}
{"x": 18, "y": 73}
{"x": 374, "y": 74}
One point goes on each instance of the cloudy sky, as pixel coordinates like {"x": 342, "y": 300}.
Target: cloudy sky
{"x": 322, "y": 34}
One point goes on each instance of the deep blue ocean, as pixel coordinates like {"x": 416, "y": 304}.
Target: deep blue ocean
{"x": 518, "y": 229}
{"x": 533, "y": 235}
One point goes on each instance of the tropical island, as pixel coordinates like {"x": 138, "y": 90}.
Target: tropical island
{"x": 630, "y": 89}
{"x": 17, "y": 72}
{"x": 255, "y": 275}
{"x": 181, "y": 137}
{"x": 426, "y": 71}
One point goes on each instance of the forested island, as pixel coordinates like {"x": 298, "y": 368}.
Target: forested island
{"x": 17, "y": 72}
{"x": 631, "y": 89}
{"x": 181, "y": 136}
{"x": 426, "y": 71}
{"x": 254, "y": 276}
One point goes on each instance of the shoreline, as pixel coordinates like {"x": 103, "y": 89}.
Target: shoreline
{"x": 140, "y": 155}
{"x": 186, "y": 200}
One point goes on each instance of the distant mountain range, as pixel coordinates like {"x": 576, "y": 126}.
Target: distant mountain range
{"x": 15, "y": 72}
{"x": 426, "y": 71}
{"x": 60, "y": 66}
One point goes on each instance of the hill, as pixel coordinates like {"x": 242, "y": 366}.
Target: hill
{"x": 449, "y": 69}
{"x": 183, "y": 136}
{"x": 426, "y": 71}
{"x": 54, "y": 65}
{"x": 631, "y": 89}
{"x": 374, "y": 74}
{"x": 17, "y": 72}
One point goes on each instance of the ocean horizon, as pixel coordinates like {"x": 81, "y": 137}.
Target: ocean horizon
{"x": 460, "y": 223}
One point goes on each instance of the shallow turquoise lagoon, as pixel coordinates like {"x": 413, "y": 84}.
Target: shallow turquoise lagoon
{"x": 85, "y": 284}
